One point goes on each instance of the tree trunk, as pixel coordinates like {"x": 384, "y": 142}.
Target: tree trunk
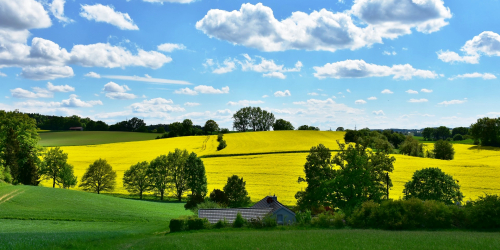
{"x": 54, "y": 183}
{"x": 140, "y": 194}
{"x": 161, "y": 198}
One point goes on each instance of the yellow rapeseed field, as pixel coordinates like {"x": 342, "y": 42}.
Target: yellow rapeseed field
{"x": 477, "y": 169}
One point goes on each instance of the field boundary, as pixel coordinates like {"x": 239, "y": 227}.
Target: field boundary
{"x": 263, "y": 153}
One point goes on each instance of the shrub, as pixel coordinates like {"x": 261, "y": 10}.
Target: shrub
{"x": 193, "y": 201}
{"x": 433, "y": 184}
{"x": 303, "y": 218}
{"x": 436, "y": 215}
{"x": 484, "y": 213}
{"x": 196, "y": 224}
{"x": 239, "y": 221}
{"x": 365, "y": 216}
{"x": 205, "y": 205}
{"x": 177, "y": 225}
{"x": 323, "y": 220}
{"x": 218, "y": 196}
{"x": 255, "y": 223}
{"x": 444, "y": 150}
{"x": 222, "y": 145}
{"x": 221, "y": 224}
{"x": 269, "y": 221}
{"x": 220, "y": 137}
{"x": 339, "y": 220}
{"x": 458, "y": 137}
{"x": 412, "y": 147}
{"x": 224, "y": 131}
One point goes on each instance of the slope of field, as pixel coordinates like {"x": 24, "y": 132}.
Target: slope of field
{"x": 76, "y": 138}
{"x": 279, "y": 141}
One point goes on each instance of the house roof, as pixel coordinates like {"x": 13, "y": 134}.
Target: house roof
{"x": 271, "y": 202}
{"x": 215, "y": 215}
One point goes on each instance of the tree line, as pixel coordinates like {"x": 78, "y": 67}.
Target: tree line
{"x": 257, "y": 119}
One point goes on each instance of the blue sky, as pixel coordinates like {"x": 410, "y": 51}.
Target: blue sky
{"x": 364, "y": 63}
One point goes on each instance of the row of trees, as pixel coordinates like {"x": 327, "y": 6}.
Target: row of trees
{"x": 443, "y": 133}
{"x": 253, "y": 118}
{"x": 486, "y": 131}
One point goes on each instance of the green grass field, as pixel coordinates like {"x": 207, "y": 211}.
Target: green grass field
{"x": 77, "y": 138}
{"x": 468, "y": 141}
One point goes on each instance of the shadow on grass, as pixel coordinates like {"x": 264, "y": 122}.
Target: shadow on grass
{"x": 484, "y": 148}
{"x": 149, "y": 198}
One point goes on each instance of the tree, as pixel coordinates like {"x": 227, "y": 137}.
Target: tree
{"x": 458, "y": 137}
{"x": 99, "y": 177}
{"x": 281, "y": 124}
{"x": 459, "y": 131}
{"x": 67, "y": 178}
{"x": 412, "y": 147}
{"x": 487, "y": 131}
{"x": 211, "y": 126}
{"x": 176, "y": 129}
{"x": 428, "y": 134}
{"x": 19, "y": 150}
{"x": 53, "y": 163}
{"x": 196, "y": 176}
{"x": 352, "y": 176}
{"x": 187, "y": 127}
{"x": 160, "y": 130}
{"x": 442, "y": 133}
{"x": 253, "y": 118}
{"x": 159, "y": 175}
{"x": 340, "y": 129}
{"x": 218, "y": 196}
{"x": 306, "y": 127}
{"x": 242, "y": 119}
{"x": 444, "y": 150}
{"x": 176, "y": 164}
{"x": 136, "y": 179}
{"x": 236, "y": 192}
{"x": 433, "y": 184}
{"x": 135, "y": 124}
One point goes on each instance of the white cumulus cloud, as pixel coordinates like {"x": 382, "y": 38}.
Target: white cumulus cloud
{"x": 387, "y": 91}
{"x": 452, "y": 102}
{"x": 411, "y": 91}
{"x": 484, "y": 76}
{"x": 23, "y": 15}
{"x": 282, "y": 93}
{"x": 59, "y": 88}
{"x": 373, "y": 98}
{"x": 93, "y": 75}
{"x": 47, "y": 72}
{"x": 57, "y": 9}
{"x": 418, "y": 100}
{"x": 360, "y": 102}
{"x": 487, "y": 43}
{"x": 116, "y": 91}
{"x": 426, "y": 90}
{"x": 169, "y": 47}
{"x": 191, "y": 104}
{"x": 244, "y": 103}
{"x": 203, "y": 89}
{"x": 107, "y": 14}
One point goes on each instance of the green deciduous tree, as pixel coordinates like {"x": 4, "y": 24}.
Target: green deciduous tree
{"x": 218, "y": 196}
{"x": 99, "y": 177}
{"x": 196, "y": 176}
{"x": 412, "y": 147}
{"x": 176, "y": 129}
{"x": 19, "y": 150}
{"x": 136, "y": 179}
{"x": 236, "y": 192}
{"x": 444, "y": 150}
{"x": 159, "y": 176}
{"x": 428, "y": 134}
{"x": 487, "y": 131}
{"x": 53, "y": 163}
{"x": 177, "y": 168}
{"x": 281, "y": 124}
{"x": 340, "y": 129}
{"x": 187, "y": 127}
{"x": 460, "y": 131}
{"x": 253, "y": 118}
{"x": 433, "y": 184}
{"x": 211, "y": 126}
{"x": 442, "y": 133}
{"x": 66, "y": 176}
{"x": 306, "y": 127}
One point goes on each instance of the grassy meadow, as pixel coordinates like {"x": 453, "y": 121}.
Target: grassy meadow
{"x": 267, "y": 170}
{"x": 76, "y": 138}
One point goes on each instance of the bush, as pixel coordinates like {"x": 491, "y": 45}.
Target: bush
{"x": 269, "y": 221}
{"x": 255, "y": 223}
{"x": 365, "y": 216}
{"x": 458, "y": 137}
{"x": 412, "y": 147}
{"x": 484, "y": 213}
{"x": 339, "y": 220}
{"x": 196, "y": 224}
{"x": 222, "y": 145}
{"x": 437, "y": 215}
{"x": 444, "y": 150}
{"x": 303, "y": 218}
{"x": 218, "y": 196}
{"x": 323, "y": 220}
{"x": 224, "y": 131}
{"x": 433, "y": 184}
{"x": 221, "y": 224}
{"x": 193, "y": 201}
{"x": 177, "y": 225}
{"x": 220, "y": 137}
{"x": 239, "y": 221}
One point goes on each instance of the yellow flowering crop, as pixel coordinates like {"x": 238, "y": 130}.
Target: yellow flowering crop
{"x": 476, "y": 168}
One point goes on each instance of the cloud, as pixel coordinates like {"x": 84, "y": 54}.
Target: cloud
{"x": 23, "y": 15}
{"x": 59, "y": 88}
{"x": 379, "y": 112}
{"x": 360, "y": 102}
{"x": 387, "y": 91}
{"x": 418, "y": 100}
{"x": 57, "y": 9}
{"x": 485, "y": 76}
{"x": 387, "y": 53}
{"x": 22, "y": 93}
{"x": 2, "y": 74}
{"x": 93, "y": 75}
{"x": 156, "y": 105}
{"x": 107, "y": 14}
{"x": 145, "y": 79}
{"x": 275, "y": 75}
{"x": 203, "y": 89}
{"x": 265, "y": 96}
{"x": 244, "y": 103}
{"x": 229, "y": 66}
{"x": 282, "y": 93}
{"x": 255, "y": 25}
{"x": 373, "y": 98}
{"x": 426, "y": 90}
{"x": 191, "y": 104}
{"x": 73, "y": 101}
{"x": 452, "y": 102}
{"x": 486, "y": 43}
{"x": 313, "y": 94}
{"x": 169, "y": 47}
{"x": 361, "y": 69}
{"x": 47, "y": 72}
{"x": 116, "y": 91}
{"x": 410, "y": 91}
{"x": 348, "y": 90}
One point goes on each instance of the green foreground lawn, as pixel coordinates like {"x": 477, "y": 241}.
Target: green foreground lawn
{"x": 77, "y": 138}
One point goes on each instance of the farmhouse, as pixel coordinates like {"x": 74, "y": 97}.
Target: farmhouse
{"x": 267, "y": 206}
